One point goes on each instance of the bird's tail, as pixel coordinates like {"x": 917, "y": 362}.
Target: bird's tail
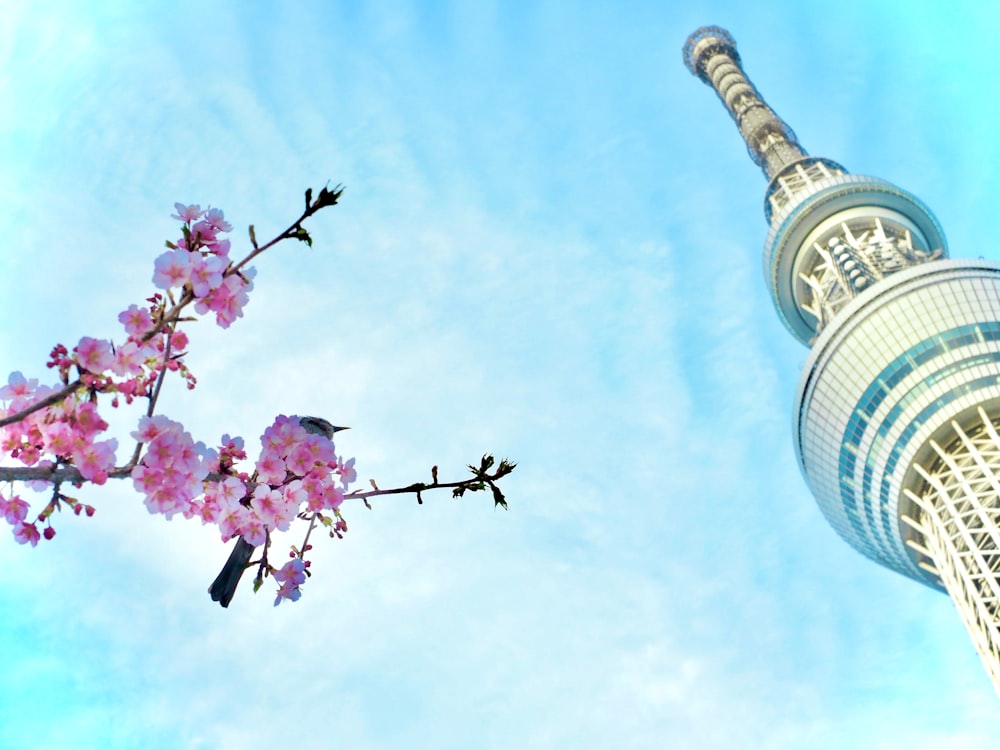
{"x": 224, "y": 585}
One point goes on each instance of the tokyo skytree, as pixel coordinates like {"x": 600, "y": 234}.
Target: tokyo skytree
{"x": 897, "y": 411}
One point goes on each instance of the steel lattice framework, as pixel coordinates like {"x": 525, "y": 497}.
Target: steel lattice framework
{"x": 959, "y": 508}
{"x": 897, "y": 411}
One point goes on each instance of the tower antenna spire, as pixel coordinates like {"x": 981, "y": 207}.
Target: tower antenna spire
{"x": 710, "y": 53}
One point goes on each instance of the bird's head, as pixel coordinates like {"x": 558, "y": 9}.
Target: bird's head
{"x": 319, "y": 426}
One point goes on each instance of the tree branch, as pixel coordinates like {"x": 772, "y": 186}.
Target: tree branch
{"x": 70, "y": 474}
{"x": 53, "y": 398}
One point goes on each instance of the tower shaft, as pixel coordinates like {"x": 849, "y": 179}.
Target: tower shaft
{"x": 897, "y": 411}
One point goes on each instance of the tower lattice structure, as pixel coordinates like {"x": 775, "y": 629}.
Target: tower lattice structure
{"x": 897, "y": 411}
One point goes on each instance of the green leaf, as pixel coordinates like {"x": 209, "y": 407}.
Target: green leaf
{"x": 253, "y": 237}
{"x": 498, "y": 498}
{"x": 302, "y": 235}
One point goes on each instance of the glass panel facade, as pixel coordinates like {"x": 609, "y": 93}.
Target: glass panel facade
{"x": 901, "y": 363}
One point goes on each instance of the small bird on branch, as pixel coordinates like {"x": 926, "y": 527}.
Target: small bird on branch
{"x": 224, "y": 585}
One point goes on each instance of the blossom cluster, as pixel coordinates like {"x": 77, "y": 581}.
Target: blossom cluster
{"x": 59, "y": 427}
{"x": 15, "y": 511}
{"x": 290, "y": 576}
{"x": 199, "y": 262}
{"x": 298, "y": 472}
{"x": 65, "y": 432}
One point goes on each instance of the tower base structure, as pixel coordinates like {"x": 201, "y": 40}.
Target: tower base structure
{"x": 896, "y": 419}
{"x": 957, "y": 507}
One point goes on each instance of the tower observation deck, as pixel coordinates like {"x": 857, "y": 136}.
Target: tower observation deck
{"x": 897, "y": 411}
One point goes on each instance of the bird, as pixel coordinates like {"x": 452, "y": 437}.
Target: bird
{"x": 224, "y": 585}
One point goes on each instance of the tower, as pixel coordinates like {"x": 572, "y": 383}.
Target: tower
{"x": 897, "y": 411}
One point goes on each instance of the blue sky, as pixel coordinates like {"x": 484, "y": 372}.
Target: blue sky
{"x": 549, "y": 248}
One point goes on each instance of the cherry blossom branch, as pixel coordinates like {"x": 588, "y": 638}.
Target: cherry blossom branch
{"x": 53, "y": 398}
{"x": 296, "y": 571}
{"x": 166, "y": 319}
{"x": 71, "y": 475}
{"x": 295, "y": 230}
{"x": 481, "y": 479}
{"x": 70, "y": 388}
{"x": 162, "y": 374}
{"x": 53, "y": 431}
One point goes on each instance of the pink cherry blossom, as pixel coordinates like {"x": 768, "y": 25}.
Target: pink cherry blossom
{"x": 172, "y": 469}
{"x": 14, "y": 510}
{"x": 17, "y": 386}
{"x": 150, "y": 427}
{"x": 235, "y": 442}
{"x": 290, "y": 576}
{"x": 219, "y": 247}
{"x": 207, "y": 509}
{"x": 300, "y": 461}
{"x": 162, "y": 500}
{"x": 270, "y": 468}
{"x": 187, "y": 214}
{"x": 95, "y": 460}
{"x": 333, "y": 496}
{"x": 129, "y": 358}
{"x": 228, "y": 299}
{"x": 145, "y": 479}
{"x": 94, "y": 355}
{"x": 267, "y": 504}
{"x": 231, "y": 490}
{"x": 216, "y": 219}
{"x": 203, "y": 233}
{"x": 287, "y": 591}
{"x": 206, "y": 273}
{"x": 283, "y": 434}
{"x": 88, "y": 421}
{"x": 348, "y": 474}
{"x": 178, "y": 341}
{"x": 137, "y": 320}
{"x": 312, "y": 451}
{"x": 253, "y": 530}
{"x": 62, "y": 440}
{"x": 286, "y": 517}
{"x": 232, "y": 520}
{"x": 26, "y": 533}
{"x": 172, "y": 269}
{"x": 293, "y": 571}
